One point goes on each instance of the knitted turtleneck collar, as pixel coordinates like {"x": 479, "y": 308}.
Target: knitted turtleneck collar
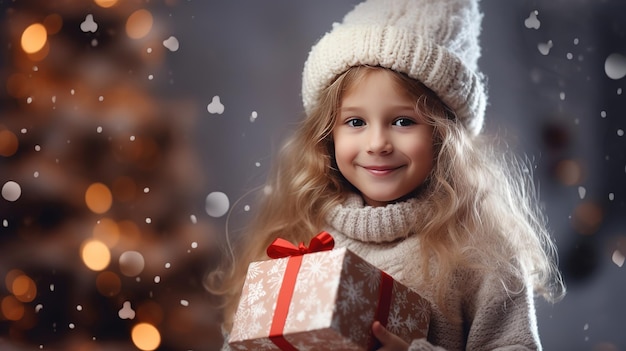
{"x": 376, "y": 224}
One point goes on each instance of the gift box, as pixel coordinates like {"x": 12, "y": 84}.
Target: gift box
{"x": 324, "y": 300}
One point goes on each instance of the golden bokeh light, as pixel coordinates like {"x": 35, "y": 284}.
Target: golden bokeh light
{"x": 587, "y": 218}
{"x": 8, "y": 143}
{"x": 124, "y": 189}
{"x": 105, "y": 3}
{"x": 98, "y": 198}
{"x": 53, "y": 23}
{"x": 11, "y": 308}
{"x": 129, "y": 150}
{"x": 18, "y": 85}
{"x": 569, "y": 172}
{"x": 107, "y": 231}
{"x": 20, "y": 285}
{"x": 139, "y": 24}
{"x": 108, "y": 284}
{"x": 95, "y": 255}
{"x": 10, "y": 277}
{"x": 24, "y": 288}
{"x": 34, "y": 38}
{"x": 146, "y": 337}
{"x": 41, "y": 54}
{"x": 130, "y": 232}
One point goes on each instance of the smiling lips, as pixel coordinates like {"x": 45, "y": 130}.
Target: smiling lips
{"x": 381, "y": 170}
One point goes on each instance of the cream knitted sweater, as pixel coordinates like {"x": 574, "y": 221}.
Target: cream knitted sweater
{"x": 492, "y": 319}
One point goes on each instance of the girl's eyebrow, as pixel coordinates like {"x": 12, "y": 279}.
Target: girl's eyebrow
{"x": 397, "y": 108}
{"x": 350, "y": 109}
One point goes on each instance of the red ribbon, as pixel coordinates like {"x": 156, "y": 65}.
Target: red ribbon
{"x": 282, "y": 248}
{"x": 384, "y": 305}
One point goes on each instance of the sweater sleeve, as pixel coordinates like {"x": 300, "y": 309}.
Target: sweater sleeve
{"x": 423, "y": 345}
{"x": 501, "y": 320}
{"x": 493, "y": 319}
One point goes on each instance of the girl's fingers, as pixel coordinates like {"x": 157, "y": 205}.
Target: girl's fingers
{"x": 389, "y": 341}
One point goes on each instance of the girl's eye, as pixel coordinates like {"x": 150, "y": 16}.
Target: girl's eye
{"x": 355, "y": 122}
{"x": 403, "y": 122}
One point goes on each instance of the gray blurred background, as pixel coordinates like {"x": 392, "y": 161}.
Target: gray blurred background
{"x": 550, "y": 98}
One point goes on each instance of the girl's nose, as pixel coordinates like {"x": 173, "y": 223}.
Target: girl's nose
{"x": 379, "y": 142}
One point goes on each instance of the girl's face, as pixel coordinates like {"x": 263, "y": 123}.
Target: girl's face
{"x": 382, "y": 145}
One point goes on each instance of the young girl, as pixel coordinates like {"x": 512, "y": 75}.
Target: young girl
{"x": 391, "y": 162}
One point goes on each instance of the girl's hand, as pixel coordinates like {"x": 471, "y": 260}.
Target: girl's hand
{"x": 389, "y": 341}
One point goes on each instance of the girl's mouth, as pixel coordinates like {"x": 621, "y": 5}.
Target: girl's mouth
{"x": 380, "y": 170}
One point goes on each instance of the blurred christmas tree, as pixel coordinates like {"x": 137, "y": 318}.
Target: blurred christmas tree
{"x": 99, "y": 246}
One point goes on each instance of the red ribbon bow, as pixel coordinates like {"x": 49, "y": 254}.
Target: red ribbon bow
{"x": 280, "y": 248}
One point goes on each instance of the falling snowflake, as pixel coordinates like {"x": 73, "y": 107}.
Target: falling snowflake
{"x": 532, "y": 21}
{"x": 89, "y": 25}
{"x": 544, "y": 48}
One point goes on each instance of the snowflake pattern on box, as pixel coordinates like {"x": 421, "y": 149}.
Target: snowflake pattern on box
{"x": 333, "y": 305}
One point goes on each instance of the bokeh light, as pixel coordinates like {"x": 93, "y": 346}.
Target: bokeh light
{"x": 8, "y": 143}
{"x": 129, "y": 232}
{"x": 41, "y": 54}
{"x": 587, "y": 217}
{"x": 95, "y": 255}
{"x": 24, "y": 288}
{"x": 10, "y": 277}
{"x": 615, "y": 66}
{"x": 124, "y": 189}
{"x": 146, "y": 337}
{"x": 12, "y": 309}
{"x": 98, "y": 198}
{"x": 107, "y": 231}
{"x": 11, "y": 191}
{"x": 18, "y": 85}
{"x": 105, "y": 3}
{"x": 53, "y": 23}
{"x": 132, "y": 263}
{"x": 108, "y": 284}
{"x": 568, "y": 172}
{"x": 139, "y": 24}
{"x": 34, "y": 38}
{"x": 216, "y": 204}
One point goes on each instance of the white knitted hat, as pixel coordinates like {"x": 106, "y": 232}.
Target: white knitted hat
{"x": 433, "y": 41}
